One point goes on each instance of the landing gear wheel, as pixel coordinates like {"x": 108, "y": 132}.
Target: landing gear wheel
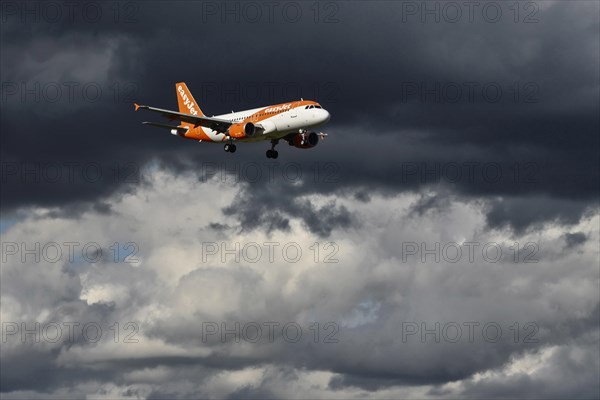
{"x": 230, "y": 147}
{"x": 272, "y": 154}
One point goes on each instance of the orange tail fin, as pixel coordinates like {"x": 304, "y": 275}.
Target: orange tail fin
{"x": 187, "y": 103}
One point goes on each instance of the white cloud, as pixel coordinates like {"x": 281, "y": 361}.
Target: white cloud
{"x": 369, "y": 293}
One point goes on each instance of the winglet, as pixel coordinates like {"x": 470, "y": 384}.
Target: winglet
{"x": 137, "y": 106}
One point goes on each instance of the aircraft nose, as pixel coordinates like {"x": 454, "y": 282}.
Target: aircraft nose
{"x": 326, "y": 116}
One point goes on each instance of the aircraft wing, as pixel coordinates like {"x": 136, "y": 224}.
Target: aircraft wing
{"x": 216, "y": 124}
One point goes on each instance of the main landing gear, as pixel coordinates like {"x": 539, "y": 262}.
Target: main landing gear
{"x": 230, "y": 147}
{"x": 272, "y": 153}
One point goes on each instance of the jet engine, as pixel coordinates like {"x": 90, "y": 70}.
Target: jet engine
{"x": 242, "y": 130}
{"x": 305, "y": 140}
{"x": 249, "y": 129}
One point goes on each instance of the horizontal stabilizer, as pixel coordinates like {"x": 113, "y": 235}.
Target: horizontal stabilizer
{"x": 179, "y": 129}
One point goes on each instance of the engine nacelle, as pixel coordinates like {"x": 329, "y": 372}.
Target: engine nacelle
{"x": 266, "y": 127}
{"x": 249, "y": 129}
{"x": 242, "y": 130}
{"x": 305, "y": 140}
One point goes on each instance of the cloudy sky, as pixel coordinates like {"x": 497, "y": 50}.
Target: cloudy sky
{"x": 442, "y": 242}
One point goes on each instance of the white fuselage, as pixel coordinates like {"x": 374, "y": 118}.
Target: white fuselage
{"x": 277, "y": 123}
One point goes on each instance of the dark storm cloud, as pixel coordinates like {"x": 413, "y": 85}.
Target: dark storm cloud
{"x": 265, "y": 206}
{"x": 520, "y": 214}
{"x": 218, "y": 227}
{"x": 429, "y": 202}
{"x": 545, "y": 122}
{"x": 575, "y": 239}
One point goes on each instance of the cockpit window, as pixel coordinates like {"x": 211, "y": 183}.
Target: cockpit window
{"x": 318, "y": 107}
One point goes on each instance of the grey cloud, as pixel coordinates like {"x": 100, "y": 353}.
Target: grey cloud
{"x": 268, "y": 205}
{"x": 523, "y": 213}
{"x": 574, "y": 239}
{"x": 386, "y": 146}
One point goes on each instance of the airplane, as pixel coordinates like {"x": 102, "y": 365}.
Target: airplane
{"x": 289, "y": 121}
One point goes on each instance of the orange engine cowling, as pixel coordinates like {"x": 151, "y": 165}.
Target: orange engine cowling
{"x": 242, "y": 130}
{"x": 305, "y": 140}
